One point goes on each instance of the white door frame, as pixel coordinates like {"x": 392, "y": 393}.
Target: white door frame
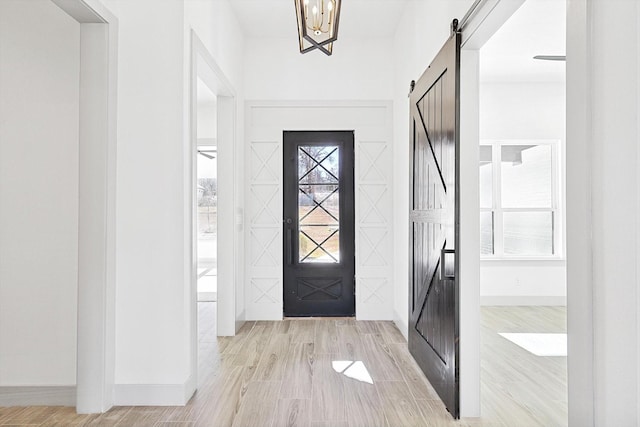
{"x": 580, "y": 284}
{"x": 97, "y": 195}
{"x": 487, "y": 17}
{"x": 204, "y": 65}
{"x": 580, "y": 289}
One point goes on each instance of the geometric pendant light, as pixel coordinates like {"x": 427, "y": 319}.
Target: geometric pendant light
{"x": 317, "y": 24}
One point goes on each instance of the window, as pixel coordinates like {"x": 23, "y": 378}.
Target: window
{"x": 519, "y": 209}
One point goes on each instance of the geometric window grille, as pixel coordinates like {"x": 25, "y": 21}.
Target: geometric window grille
{"x": 318, "y": 204}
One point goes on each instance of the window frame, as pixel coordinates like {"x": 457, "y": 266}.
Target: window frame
{"x": 498, "y": 211}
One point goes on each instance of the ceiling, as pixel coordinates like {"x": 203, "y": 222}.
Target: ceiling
{"x": 537, "y": 28}
{"x": 358, "y": 18}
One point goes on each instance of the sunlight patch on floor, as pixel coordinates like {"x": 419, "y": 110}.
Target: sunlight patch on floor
{"x": 539, "y": 344}
{"x": 355, "y": 370}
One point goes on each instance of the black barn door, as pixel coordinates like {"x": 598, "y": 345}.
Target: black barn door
{"x": 433, "y": 331}
{"x": 319, "y": 224}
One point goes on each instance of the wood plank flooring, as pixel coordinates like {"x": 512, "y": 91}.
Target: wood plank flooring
{"x": 342, "y": 373}
{"x": 516, "y": 384}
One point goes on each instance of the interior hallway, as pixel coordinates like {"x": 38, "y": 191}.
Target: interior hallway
{"x": 343, "y": 373}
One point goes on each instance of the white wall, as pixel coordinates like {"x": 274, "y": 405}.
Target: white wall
{"x": 327, "y": 93}
{"x": 39, "y": 108}
{"x": 422, "y": 30}
{"x": 357, "y": 70}
{"x": 207, "y": 126}
{"x": 523, "y": 282}
{"x": 615, "y": 143}
{"x": 361, "y": 70}
{"x": 155, "y": 307}
{"x": 151, "y": 332}
{"x": 371, "y": 123}
{"x": 216, "y": 25}
{"x": 522, "y": 110}
{"x": 512, "y": 111}
{"x": 603, "y": 231}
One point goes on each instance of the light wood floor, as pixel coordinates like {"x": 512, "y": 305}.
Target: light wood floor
{"x": 517, "y": 384}
{"x": 307, "y": 373}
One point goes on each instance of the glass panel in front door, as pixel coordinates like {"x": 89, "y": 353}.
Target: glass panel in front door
{"x": 318, "y": 204}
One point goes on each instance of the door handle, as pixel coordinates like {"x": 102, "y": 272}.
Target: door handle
{"x": 289, "y": 246}
{"x": 443, "y": 253}
{"x": 289, "y": 241}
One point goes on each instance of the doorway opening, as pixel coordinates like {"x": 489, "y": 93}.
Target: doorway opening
{"x": 207, "y": 195}
{"x": 206, "y": 223}
{"x": 205, "y": 151}
{"x": 522, "y": 205}
{"x": 319, "y": 223}
{"x": 211, "y": 208}
{"x": 206, "y": 170}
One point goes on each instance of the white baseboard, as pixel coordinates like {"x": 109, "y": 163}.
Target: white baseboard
{"x": 38, "y": 396}
{"x": 523, "y": 300}
{"x": 269, "y": 317}
{"x": 403, "y": 327}
{"x": 374, "y": 315}
{"x": 190, "y": 387}
{"x": 154, "y": 394}
{"x": 240, "y": 321}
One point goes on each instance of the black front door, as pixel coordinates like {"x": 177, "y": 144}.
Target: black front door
{"x": 433, "y": 329}
{"x": 319, "y": 223}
